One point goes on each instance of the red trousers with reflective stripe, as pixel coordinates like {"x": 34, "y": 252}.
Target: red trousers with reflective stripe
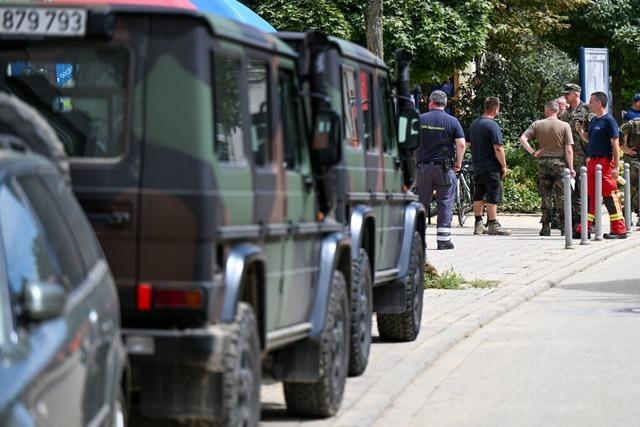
{"x": 609, "y": 194}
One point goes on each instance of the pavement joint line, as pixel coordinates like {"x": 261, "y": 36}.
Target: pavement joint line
{"x": 361, "y": 412}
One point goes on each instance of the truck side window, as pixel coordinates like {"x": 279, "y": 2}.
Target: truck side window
{"x": 293, "y": 132}
{"x": 367, "y": 110}
{"x": 386, "y": 111}
{"x": 227, "y": 109}
{"x": 350, "y": 108}
{"x": 258, "y": 78}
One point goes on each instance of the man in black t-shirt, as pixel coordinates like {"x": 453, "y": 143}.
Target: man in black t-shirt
{"x": 489, "y": 166}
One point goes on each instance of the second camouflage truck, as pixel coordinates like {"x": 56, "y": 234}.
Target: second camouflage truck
{"x": 189, "y": 153}
{"x": 366, "y": 191}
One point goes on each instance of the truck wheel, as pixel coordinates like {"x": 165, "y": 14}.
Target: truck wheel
{"x": 242, "y": 372}
{"x": 324, "y": 397}
{"x": 19, "y": 119}
{"x": 405, "y": 326}
{"x": 361, "y": 312}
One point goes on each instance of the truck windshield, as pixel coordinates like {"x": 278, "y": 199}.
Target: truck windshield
{"x": 80, "y": 91}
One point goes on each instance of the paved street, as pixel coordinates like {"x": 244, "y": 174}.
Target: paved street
{"x": 566, "y": 358}
{"x": 525, "y": 264}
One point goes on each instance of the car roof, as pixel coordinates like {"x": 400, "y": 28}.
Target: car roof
{"x": 346, "y": 48}
{"x": 220, "y": 26}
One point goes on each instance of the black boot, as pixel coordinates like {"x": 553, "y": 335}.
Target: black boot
{"x": 545, "y": 230}
{"x": 445, "y": 244}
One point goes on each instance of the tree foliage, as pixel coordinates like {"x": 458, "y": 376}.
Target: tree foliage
{"x": 442, "y": 35}
{"x": 614, "y": 24}
{"x": 516, "y": 24}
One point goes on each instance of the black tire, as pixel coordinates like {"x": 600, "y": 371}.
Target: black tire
{"x": 406, "y": 326}
{"x": 361, "y": 313}
{"x": 19, "y": 119}
{"x": 324, "y": 397}
{"x": 242, "y": 372}
{"x": 458, "y": 202}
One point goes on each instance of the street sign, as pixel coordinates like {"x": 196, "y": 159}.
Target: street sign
{"x": 594, "y": 71}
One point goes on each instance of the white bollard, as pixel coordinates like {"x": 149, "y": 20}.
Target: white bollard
{"x": 598, "y": 204}
{"x": 568, "y": 233}
{"x": 627, "y": 196}
{"x": 584, "y": 207}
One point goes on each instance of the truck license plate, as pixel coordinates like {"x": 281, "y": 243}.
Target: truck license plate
{"x": 43, "y": 21}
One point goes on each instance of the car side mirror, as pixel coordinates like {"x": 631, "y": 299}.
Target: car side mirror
{"x": 409, "y": 130}
{"x": 325, "y": 142}
{"x": 44, "y": 300}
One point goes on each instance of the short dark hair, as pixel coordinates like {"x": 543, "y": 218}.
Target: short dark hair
{"x": 602, "y": 97}
{"x": 491, "y": 103}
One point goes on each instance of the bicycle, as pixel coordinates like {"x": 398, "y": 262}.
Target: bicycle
{"x": 463, "y": 202}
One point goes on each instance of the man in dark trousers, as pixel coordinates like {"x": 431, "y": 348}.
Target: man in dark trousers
{"x": 489, "y": 166}
{"x": 441, "y": 141}
{"x": 603, "y": 149}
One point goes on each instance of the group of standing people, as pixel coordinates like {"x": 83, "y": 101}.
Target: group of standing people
{"x": 442, "y": 148}
{"x": 581, "y": 135}
{"x": 572, "y": 134}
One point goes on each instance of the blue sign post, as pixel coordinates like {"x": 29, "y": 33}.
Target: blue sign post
{"x": 594, "y": 71}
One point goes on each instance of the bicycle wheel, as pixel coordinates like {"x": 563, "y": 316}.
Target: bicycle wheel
{"x": 466, "y": 202}
{"x": 458, "y": 201}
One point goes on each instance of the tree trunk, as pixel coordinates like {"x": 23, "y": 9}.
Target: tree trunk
{"x": 373, "y": 23}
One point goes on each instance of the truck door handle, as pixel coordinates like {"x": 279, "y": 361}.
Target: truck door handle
{"x": 111, "y": 219}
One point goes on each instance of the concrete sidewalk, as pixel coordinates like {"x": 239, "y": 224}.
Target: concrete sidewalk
{"x": 524, "y": 264}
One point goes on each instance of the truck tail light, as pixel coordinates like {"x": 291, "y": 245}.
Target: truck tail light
{"x": 180, "y": 299}
{"x": 158, "y": 298}
{"x": 144, "y": 297}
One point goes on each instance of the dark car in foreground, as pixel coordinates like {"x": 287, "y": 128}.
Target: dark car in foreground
{"x": 61, "y": 356}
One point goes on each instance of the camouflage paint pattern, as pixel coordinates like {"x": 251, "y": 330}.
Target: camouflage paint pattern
{"x": 187, "y": 208}
{"x": 631, "y": 138}
{"x": 550, "y": 187}
{"x": 367, "y": 174}
{"x": 572, "y": 116}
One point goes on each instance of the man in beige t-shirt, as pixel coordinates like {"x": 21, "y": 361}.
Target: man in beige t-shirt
{"x": 555, "y": 152}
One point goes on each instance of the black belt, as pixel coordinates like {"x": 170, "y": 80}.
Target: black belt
{"x": 431, "y": 162}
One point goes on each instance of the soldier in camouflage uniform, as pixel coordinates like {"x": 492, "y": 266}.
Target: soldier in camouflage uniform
{"x": 576, "y": 112}
{"x": 631, "y": 147}
{"x": 555, "y": 153}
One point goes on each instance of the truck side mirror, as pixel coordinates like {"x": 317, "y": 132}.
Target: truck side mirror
{"x": 325, "y": 142}
{"x": 44, "y": 300}
{"x": 409, "y": 130}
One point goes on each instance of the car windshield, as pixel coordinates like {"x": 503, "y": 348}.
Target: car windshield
{"x": 81, "y": 91}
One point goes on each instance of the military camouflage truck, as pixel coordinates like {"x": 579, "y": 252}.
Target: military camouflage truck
{"x": 189, "y": 152}
{"x": 365, "y": 190}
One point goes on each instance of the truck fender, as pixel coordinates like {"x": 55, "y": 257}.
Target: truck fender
{"x": 414, "y": 217}
{"x": 359, "y": 217}
{"x": 235, "y": 271}
{"x": 333, "y": 246}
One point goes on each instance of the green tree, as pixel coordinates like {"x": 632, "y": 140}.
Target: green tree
{"x": 442, "y": 35}
{"x": 613, "y": 24}
{"x": 342, "y": 19}
{"x": 517, "y": 24}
